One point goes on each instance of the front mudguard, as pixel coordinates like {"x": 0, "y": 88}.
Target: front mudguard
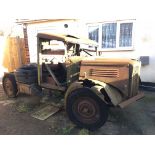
{"x": 114, "y": 95}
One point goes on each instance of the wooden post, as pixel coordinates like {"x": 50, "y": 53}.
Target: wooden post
{"x": 19, "y": 51}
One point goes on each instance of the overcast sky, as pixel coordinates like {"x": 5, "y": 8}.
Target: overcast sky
{"x": 81, "y": 9}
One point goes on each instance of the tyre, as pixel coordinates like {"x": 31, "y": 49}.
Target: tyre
{"x": 26, "y": 74}
{"x": 10, "y": 86}
{"x": 86, "y": 109}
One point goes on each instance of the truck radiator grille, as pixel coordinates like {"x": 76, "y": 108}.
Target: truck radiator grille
{"x": 111, "y": 73}
{"x": 135, "y": 81}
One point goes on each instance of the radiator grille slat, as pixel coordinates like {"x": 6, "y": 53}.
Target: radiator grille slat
{"x": 113, "y": 73}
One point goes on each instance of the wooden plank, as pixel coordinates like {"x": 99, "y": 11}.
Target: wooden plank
{"x": 45, "y": 112}
{"x": 19, "y": 51}
{"x": 14, "y": 53}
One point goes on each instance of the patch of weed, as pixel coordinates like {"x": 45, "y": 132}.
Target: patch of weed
{"x": 84, "y": 132}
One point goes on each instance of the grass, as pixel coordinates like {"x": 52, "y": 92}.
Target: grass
{"x": 71, "y": 129}
{"x": 84, "y": 132}
{"x": 67, "y": 130}
{"x": 22, "y": 107}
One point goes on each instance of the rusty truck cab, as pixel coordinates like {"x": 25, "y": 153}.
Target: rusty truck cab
{"x": 59, "y": 59}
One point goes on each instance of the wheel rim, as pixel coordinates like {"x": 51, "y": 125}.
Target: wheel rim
{"x": 8, "y": 87}
{"x": 86, "y": 110}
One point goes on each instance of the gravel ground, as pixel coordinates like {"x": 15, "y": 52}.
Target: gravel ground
{"x": 15, "y": 119}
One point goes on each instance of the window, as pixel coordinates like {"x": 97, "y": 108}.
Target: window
{"x": 109, "y": 35}
{"x": 93, "y": 33}
{"x": 125, "y": 38}
{"x": 113, "y": 35}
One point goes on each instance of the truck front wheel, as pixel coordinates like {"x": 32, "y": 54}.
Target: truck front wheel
{"x": 10, "y": 86}
{"x": 86, "y": 109}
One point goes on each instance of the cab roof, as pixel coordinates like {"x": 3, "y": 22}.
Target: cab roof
{"x": 67, "y": 38}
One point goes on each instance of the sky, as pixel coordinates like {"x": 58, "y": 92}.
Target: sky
{"x": 92, "y": 10}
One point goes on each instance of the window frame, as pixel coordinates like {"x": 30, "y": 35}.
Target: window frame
{"x": 118, "y": 22}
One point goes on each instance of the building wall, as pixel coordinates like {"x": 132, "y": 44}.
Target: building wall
{"x": 51, "y": 27}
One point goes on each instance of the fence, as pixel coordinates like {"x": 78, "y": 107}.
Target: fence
{"x": 14, "y": 54}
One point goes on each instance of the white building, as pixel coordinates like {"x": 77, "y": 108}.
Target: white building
{"x": 117, "y": 37}
{"x": 131, "y": 38}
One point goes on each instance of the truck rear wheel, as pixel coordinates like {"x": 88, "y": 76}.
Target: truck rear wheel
{"x": 10, "y": 86}
{"x": 86, "y": 109}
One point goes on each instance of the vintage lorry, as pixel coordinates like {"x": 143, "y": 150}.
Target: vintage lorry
{"x": 89, "y": 82}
